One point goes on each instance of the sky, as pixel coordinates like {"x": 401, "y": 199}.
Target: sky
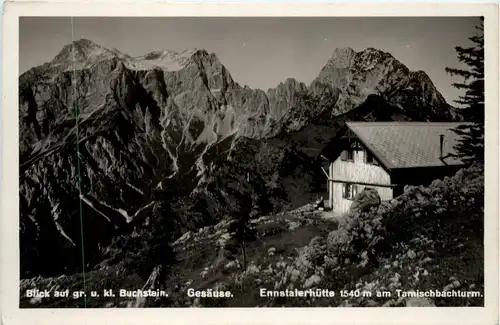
{"x": 262, "y": 52}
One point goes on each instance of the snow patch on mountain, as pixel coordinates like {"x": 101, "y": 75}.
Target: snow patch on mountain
{"x": 165, "y": 60}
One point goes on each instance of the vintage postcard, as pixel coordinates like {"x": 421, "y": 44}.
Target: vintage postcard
{"x": 321, "y": 162}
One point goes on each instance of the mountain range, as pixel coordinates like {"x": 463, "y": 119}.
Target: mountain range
{"x": 106, "y": 139}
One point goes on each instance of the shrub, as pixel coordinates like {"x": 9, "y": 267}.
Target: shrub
{"x": 365, "y": 200}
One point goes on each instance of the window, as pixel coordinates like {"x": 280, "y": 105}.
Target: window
{"x": 350, "y": 191}
{"x": 347, "y": 155}
{"x": 369, "y": 158}
{"x": 350, "y": 155}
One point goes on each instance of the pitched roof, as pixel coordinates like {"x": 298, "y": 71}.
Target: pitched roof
{"x": 408, "y": 144}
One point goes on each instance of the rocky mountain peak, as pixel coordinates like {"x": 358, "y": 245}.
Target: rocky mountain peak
{"x": 357, "y": 75}
{"x": 371, "y": 56}
{"x": 85, "y": 43}
{"x": 341, "y": 57}
{"x": 80, "y": 50}
{"x": 421, "y": 75}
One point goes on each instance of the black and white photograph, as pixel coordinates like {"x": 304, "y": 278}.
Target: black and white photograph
{"x": 177, "y": 162}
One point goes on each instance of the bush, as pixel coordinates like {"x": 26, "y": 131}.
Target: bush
{"x": 365, "y": 200}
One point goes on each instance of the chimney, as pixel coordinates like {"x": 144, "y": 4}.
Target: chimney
{"x": 441, "y": 141}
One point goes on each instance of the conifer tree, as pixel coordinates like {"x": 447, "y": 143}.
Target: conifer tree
{"x": 471, "y": 146}
{"x": 241, "y": 231}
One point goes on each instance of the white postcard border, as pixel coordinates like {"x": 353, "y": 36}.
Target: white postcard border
{"x": 9, "y": 200}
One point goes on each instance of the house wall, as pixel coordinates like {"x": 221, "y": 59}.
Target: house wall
{"x": 355, "y": 171}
